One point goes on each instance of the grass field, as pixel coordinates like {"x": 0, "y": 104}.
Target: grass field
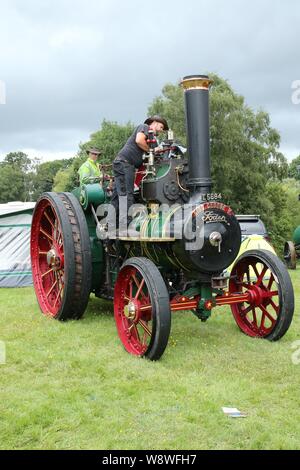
{"x": 72, "y": 386}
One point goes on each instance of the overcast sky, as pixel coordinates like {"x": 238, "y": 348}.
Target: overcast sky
{"x": 67, "y": 64}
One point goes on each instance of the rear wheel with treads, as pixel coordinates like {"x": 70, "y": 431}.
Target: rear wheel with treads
{"x": 60, "y": 256}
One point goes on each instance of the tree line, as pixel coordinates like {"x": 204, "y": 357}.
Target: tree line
{"x": 247, "y": 166}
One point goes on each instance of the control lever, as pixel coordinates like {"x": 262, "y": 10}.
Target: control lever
{"x": 152, "y": 143}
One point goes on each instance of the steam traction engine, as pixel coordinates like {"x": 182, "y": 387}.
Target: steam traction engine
{"x": 292, "y": 250}
{"x": 176, "y": 262}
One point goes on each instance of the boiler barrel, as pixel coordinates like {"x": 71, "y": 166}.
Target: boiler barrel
{"x": 296, "y": 236}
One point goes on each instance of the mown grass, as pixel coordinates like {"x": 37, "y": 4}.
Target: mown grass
{"x": 72, "y": 386}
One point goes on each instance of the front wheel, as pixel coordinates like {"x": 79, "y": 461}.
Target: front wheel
{"x": 142, "y": 309}
{"x": 269, "y": 312}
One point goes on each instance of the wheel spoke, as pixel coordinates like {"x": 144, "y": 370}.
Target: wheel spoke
{"x": 61, "y": 277}
{"x": 139, "y": 289}
{"x": 271, "y": 280}
{"x": 255, "y": 270}
{"x": 47, "y": 272}
{"x": 267, "y": 314}
{"x": 58, "y": 296}
{"x": 271, "y": 294}
{"x": 131, "y": 326}
{"x": 55, "y": 283}
{"x": 245, "y": 311}
{"x": 130, "y": 289}
{"x": 58, "y": 234}
{"x": 145, "y": 327}
{"x": 276, "y": 307}
{"x": 246, "y": 285}
{"x": 135, "y": 280}
{"x": 49, "y": 220}
{"x": 46, "y": 234}
{"x": 57, "y": 275}
{"x": 136, "y": 332}
{"x": 254, "y": 317}
{"x": 248, "y": 276}
{"x": 144, "y": 338}
{"x": 261, "y": 276}
{"x": 145, "y": 307}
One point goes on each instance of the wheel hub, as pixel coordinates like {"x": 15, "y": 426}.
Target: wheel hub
{"x": 130, "y": 311}
{"x": 53, "y": 259}
{"x": 256, "y": 295}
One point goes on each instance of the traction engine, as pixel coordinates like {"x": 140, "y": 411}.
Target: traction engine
{"x": 185, "y": 238}
{"x": 292, "y": 250}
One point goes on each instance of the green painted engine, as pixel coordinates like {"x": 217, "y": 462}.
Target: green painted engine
{"x": 296, "y": 237}
{"x": 292, "y": 250}
{"x": 166, "y": 226}
{"x": 180, "y": 241}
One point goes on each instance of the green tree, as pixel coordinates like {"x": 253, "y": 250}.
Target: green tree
{"x": 278, "y": 218}
{"x": 16, "y": 174}
{"x": 12, "y": 184}
{"x": 110, "y": 139}
{"x": 292, "y": 190}
{"x": 18, "y": 160}
{"x": 66, "y": 179}
{"x": 43, "y": 179}
{"x": 294, "y": 168}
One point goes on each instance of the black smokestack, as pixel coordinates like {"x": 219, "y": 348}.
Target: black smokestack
{"x": 196, "y": 91}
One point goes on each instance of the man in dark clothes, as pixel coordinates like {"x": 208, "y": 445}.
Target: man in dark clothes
{"x": 128, "y": 159}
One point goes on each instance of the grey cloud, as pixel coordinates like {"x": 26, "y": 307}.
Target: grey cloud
{"x": 69, "y": 64}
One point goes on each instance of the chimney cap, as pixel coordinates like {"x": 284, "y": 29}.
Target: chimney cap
{"x": 200, "y": 82}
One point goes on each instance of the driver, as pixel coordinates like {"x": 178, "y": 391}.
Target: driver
{"x": 129, "y": 158}
{"x": 90, "y": 168}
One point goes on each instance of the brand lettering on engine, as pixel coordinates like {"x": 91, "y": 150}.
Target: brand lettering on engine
{"x": 210, "y": 217}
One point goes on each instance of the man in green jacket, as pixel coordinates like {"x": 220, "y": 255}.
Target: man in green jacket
{"x": 89, "y": 170}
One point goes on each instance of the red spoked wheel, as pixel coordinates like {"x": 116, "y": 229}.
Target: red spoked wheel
{"x": 270, "y": 310}
{"x": 142, "y": 309}
{"x": 60, "y": 256}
